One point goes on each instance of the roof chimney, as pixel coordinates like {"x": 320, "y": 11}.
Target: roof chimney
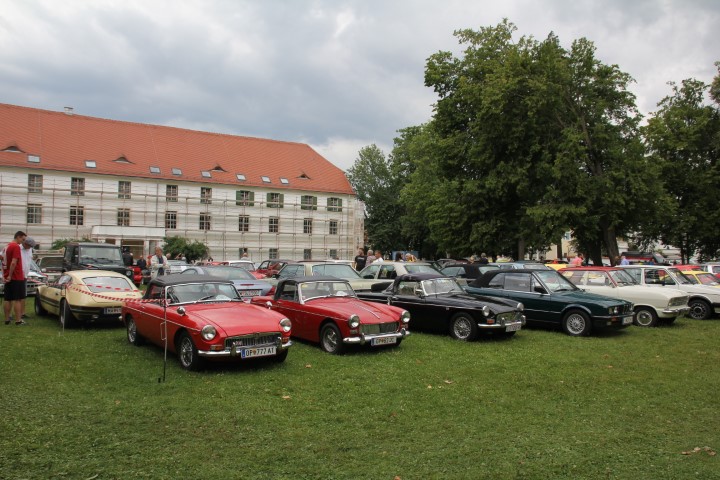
{"x": 68, "y": 110}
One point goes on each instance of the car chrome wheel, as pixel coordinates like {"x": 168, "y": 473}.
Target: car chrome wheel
{"x": 132, "y": 334}
{"x": 576, "y": 323}
{"x": 187, "y": 353}
{"x": 462, "y": 327}
{"x": 331, "y": 339}
{"x": 645, "y": 317}
{"x": 699, "y": 310}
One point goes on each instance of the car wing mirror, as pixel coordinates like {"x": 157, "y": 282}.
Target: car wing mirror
{"x": 268, "y": 304}
{"x": 419, "y": 292}
{"x": 539, "y": 289}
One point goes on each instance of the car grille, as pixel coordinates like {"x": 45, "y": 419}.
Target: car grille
{"x": 253, "y": 340}
{"x": 627, "y": 308}
{"x": 379, "y": 328}
{"x": 508, "y": 317}
{"x": 677, "y": 301}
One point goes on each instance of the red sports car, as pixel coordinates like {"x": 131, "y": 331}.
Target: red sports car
{"x": 204, "y": 318}
{"x": 326, "y": 310}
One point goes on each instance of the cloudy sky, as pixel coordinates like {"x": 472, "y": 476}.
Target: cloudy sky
{"x": 336, "y": 74}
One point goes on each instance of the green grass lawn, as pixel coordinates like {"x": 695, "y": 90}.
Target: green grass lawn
{"x": 85, "y": 404}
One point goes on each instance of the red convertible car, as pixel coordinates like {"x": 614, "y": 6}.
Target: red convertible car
{"x": 204, "y": 318}
{"x": 326, "y": 310}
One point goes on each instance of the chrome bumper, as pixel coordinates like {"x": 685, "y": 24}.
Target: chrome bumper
{"x": 503, "y": 326}
{"x": 675, "y": 311}
{"x": 230, "y": 352}
{"x": 364, "y": 338}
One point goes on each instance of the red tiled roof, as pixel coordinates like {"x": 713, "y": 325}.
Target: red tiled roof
{"x": 65, "y": 141}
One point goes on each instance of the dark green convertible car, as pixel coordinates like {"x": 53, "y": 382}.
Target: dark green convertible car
{"x": 551, "y": 300}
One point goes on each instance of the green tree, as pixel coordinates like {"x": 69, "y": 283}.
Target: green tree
{"x": 61, "y": 242}
{"x": 193, "y": 250}
{"x": 684, "y": 140}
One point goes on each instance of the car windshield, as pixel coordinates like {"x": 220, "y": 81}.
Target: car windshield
{"x": 324, "y": 289}
{"x": 100, "y": 254}
{"x": 702, "y": 278}
{"x": 679, "y": 277}
{"x": 419, "y": 268}
{"x": 108, "y": 284}
{"x": 244, "y": 265}
{"x": 229, "y": 273}
{"x": 51, "y": 262}
{"x": 622, "y": 278}
{"x": 338, "y": 270}
{"x": 201, "y": 292}
{"x": 441, "y": 286}
{"x": 554, "y": 281}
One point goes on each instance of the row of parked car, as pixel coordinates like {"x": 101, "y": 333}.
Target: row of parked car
{"x": 213, "y": 312}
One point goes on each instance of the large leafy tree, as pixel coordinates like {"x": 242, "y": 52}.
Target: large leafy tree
{"x": 684, "y": 140}
{"x": 193, "y": 250}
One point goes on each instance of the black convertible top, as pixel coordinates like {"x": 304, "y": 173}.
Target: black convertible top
{"x": 484, "y": 280}
{"x": 313, "y": 278}
{"x": 182, "y": 279}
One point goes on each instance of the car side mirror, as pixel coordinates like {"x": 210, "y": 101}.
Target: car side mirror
{"x": 540, "y": 289}
{"x": 268, "y": 304}
{"x": 419, "y": 292}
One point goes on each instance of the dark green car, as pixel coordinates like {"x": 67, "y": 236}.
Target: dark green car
{"x": 551, "y": 300}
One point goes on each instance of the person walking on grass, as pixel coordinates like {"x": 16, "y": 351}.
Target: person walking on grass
{"x": 26, "y": 250}
{"x": 14, "y": 280}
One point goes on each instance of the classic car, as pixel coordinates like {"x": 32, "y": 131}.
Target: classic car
{"x": 271, "y": 266}
{"x": 701, "y": 277}
{"x": 246, "y": 265}
{"x": 177, "y": 266}
{"x": 35, "y": 279}
{"x": 438, "y": 304}
{"x": 52, "y": 266}
{"x": 552, "y": 300}
{"x": 704, "y": 300}
{"x": 466, "y": 272}
{"x": 86, "y": 296}
{"x": 712, "y": 267}
{"x": 521, "y": 264}
{"x": 204, "y": 318}
{"x": 332, "y": 269}
{"x": 245, "y": 283}
{"x": 652, "y": 305}
{"x": 326, "y": 310}
{"x": 390, "y": 270}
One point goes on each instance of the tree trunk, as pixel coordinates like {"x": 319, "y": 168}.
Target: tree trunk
{"x": 559, "y": 252}
{"x": 610, "y": 241}
{"x": 521, "y": 249}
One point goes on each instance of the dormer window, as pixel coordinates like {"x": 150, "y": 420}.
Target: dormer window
{"x": 304, "y": 176}
{"x": 122, "y": 159}
{"x": 206, "y": 174}
{"x": 90, "y": 164}
{"x": 240, "y": 177}
{"x": 265, "y": 179}
{"x": 154, "y": 169}
{"x": 12, "y": 148}
{"x": 176, "y": 171}
{"x": 284, "y": 181}
{"x": 33, "y": 159}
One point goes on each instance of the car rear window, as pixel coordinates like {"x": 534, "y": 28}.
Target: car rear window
{"x": 108, "y": 284}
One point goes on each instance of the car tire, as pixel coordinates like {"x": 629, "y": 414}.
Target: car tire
{"x": 463, "y": 327}
{"x": 331, "y": 339}
{"x": 645, "y": 317}
{"x": 280, "y": 356}
{"x": 39, "y": 309}
{"x": 508, "y": 334}
{"x": 699, "y": 309}
{"x": 576, "y": 323}
{"x": 187, "y": 352}
{"x": 67, "y": 319}
{"x": 132, "y": 334}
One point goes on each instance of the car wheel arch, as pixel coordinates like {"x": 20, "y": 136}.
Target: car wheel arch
{"x": 583, "y": 308}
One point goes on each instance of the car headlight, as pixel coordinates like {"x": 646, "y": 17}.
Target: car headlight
{"x": 520, "y": 307}
{"x": 208, "y": 332}
{"x": 354, "y": 321}
{"x": 129, "y": 273}
{"x": 614, "y": 310}
{"x": 486, "y": 310}
{"x": 405, "y": 317}
{"x": 285, "y": 325}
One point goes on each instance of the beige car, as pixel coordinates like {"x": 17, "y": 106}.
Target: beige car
{"x": 332, "y": 269}
{"x": 86, "y": 296}
{"x": 389, "y": 270}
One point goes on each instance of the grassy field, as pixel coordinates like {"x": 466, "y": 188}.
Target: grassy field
{"x": 84, "y": 404}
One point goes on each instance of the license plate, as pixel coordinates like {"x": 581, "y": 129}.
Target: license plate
{"x": 383, "y": 341}
{"x": 258, "y": 352}
{"x": 113, "y": 310}
{"x": 249, "y": 293}
{"x": 512, "y": 328}
{"x": 627, "y": 320}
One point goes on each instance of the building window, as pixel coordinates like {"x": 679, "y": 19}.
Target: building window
{"x": 275, "y": 200}
{"x": 244, "y": 198}
{"x": 307, "y": 254}
{"x": 35, "y": 183}
{"x": 308, "y": 202}
{"x": 34, "y": 213}
{"x": 244, "y": 223}
{"x": 177, "y": 171}
{"x": 334, "y": 204}
{"x": 204, "y": 221}
{"x": 333, "y": 253}
{"x": 273, "y": 224}
{"x": 171, "y": 193}
{"x": 154, "y": 169}
{"x": 170, "y": 220}
{"x": 333, "y": 228}
{"x": 272, "y": 253}
{"x": 205, "y": 195}
{"x": 77, "y": 215}
{"x": 90, "y": 163}
{"x": 123, "y": 217}
{"x": 265, "y": 179}
{"x": 77, "y": 186}
{"x": 307, "y": 225}
{"x": 124, "y": 189}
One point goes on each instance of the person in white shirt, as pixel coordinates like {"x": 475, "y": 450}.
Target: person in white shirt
{"x": 158, "y": 264}
{"x": 26, "y": 250}
{"x": 378, "y": 257}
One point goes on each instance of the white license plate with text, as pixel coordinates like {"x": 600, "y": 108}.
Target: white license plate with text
{"x": 113, "y": 310}
{"x": 512, "y": 328}
{"x": 627, "y": 320}
{"x": 257, "y": 352}
{"x": 383, "y": 341}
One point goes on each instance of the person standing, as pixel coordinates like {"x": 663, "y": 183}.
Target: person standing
{"x": 378, "y": 257}
{"x": 360, "y": 260}
{"x": 577, "y": 261}
{"x": 483, "y": 259}
{"x": 158, "y": 263}
{"x": 127, "y": 257}
{"x": 624, "y": 261}
{"x": 14, "y": 279}
{"x": 26, "y": 251}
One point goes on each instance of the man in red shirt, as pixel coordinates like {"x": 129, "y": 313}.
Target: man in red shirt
{"x": 14, "y": 279}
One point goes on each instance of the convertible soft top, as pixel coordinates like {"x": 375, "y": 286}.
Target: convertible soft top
{"x": 484, "y": 280}
{"x": 182, "y": 279}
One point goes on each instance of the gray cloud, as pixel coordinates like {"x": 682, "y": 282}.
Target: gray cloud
{"x": 337, "y": 75}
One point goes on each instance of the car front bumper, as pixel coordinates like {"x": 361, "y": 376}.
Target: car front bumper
{"x": 234, "y": 352}
{"x": 365, "y": 338}
{"x": 613, "y": 321}
{"x": 673, "y": 312}
{"x": 512, "y": 326}
{"x": 95, "y": 314}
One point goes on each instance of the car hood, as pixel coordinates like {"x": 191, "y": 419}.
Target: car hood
{"x": 233, "y": 318}
{"x": 465, "y": 300}
{"x": 581, "y": 296}
{"x": 644, "y": 291}
{"x": 369, "y": 313}
{"x": 707, "y": 290}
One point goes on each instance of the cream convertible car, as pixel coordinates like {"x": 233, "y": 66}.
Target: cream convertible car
{"x": 86, "y": 296}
